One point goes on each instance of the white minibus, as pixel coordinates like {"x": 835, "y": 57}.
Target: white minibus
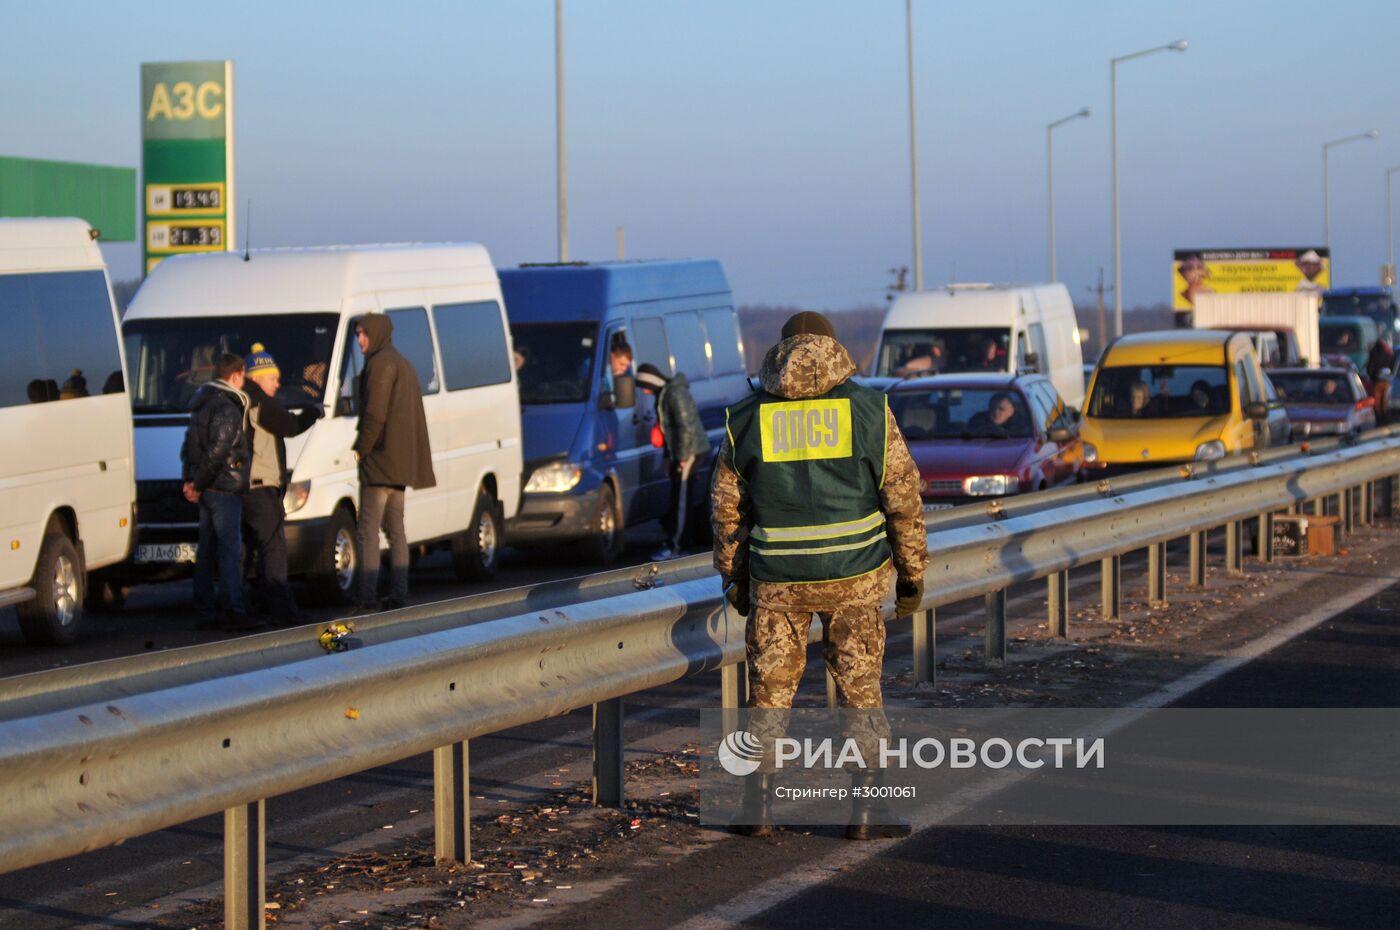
{"x": 985, "y": 327}
{"x": 449, "y": 320}
{"x": 66, "y": 476}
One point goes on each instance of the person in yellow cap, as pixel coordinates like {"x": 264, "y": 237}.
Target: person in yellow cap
{"x": 264, "y": 518}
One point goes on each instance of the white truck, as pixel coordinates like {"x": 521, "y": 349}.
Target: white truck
{"x": 1289, "y": 318}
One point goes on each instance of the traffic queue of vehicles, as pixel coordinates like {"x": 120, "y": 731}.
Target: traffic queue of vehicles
{"x": 537, "y": 434}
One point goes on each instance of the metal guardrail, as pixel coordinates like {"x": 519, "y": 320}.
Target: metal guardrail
{"x": 95, "y": 754}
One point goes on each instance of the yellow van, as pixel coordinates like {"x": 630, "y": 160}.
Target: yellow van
{"x": 1177, "y": 396}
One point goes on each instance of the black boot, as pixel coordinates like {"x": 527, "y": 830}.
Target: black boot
{"x": 756, "y": 814}
{"x": 871, "y": 817}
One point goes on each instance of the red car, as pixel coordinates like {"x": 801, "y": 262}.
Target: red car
{"x": 976, "y": 436}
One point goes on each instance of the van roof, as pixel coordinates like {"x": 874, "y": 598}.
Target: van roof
{"x": 47, "y": 244}
{"x": 584, "y": 292}
{"x": 303, "y": 280}
{"x": 967, "y": 306}
{"x": 1177, "y": 346}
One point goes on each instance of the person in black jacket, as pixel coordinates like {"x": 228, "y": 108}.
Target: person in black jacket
{"x": 264, "y": 516}
{"x": 393, "y": 452}
{"x": 215, "y": 460}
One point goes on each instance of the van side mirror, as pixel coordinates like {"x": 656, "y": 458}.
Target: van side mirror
{"x": 1074, "y": 415}
{"x": 624, "y": 392}
{"x": 1257, "y": 410}
{"x": 1032, "y": 361}
{"x": 1059, "y": 434}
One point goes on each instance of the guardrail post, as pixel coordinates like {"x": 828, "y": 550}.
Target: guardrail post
{"x": 1392, "y": 494}
{"x": 925, "y": 647}
{"x": 1234, "y": 547}
{"x": 1198, "y": 559}
{"x": 1111, "y": 570}
{"x": 1368, "y": 503}
{"x": 1059, "y": 604}
{"x": 607, "y": 753}
{"x": 1157, "y": 574}
{"x": 245, "y": 859}
{"x": 1349, "y": 511}
{"x": 1264, "y": 540}
{"x": 452, "y": 812}
{"x": 995, "y": 656}
{"x": 733, "y": 682}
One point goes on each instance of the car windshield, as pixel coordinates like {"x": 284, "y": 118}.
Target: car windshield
{"x": 961, "y": 413}
{"x": 554, "y": 361}
{"x": 169, "y": 359}
{"x": 1378, "y": 307}
{"x": 908, "y": 353}
{"x": 1312, "y": 388}
{"x": 1341, "y": 340}
{"x": 1160, "y": 392}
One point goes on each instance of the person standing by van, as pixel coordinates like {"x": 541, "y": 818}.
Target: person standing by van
{"x": 684, "y": 439}
{"x": 263, "y": 511}
{"x": 216, "y": 458}
{"x": 393, "y": 453}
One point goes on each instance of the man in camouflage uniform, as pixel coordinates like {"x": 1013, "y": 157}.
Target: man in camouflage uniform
{"x": 816, "y": 510}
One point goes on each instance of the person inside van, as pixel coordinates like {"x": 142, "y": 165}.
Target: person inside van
{"x": 1140, "y": 398}
{"x": 992, "y": 357}
{"x": 1200, "y": 397}
{"x": 215, "y": 461}
{"x": 686, "y": 444}
{"x": 925, "y": 359}
{"x": 394, "y": 454}
{"x": 264, "y": 516}
{"x": 620, "y": 356}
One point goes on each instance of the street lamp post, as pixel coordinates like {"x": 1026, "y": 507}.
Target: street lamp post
{"x": 560, "y": 160}
{"x": 914, "y": 153}
{"x": 1178, "y": 46}
{"x": 1050, "y": 181}
{"x": 1389, "y": 222}
{"x": 1326, "y": 211}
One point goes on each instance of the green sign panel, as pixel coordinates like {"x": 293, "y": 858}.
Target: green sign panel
{"x": 103, "y": 195}
{"x": 186, "y": 158}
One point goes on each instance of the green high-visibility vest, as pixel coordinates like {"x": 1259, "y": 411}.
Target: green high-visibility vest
{"x": 812, "y": 471}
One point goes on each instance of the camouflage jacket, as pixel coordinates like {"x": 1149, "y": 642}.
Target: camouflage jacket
{"x": 800, "y": 368}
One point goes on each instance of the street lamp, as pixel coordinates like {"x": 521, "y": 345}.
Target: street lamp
{"x": 1389, "y": 227}
{"x": 1326, "y": 212}
{"x": 914, "y": 153}
{"x": 1050, "y": 180}
{"x": 561, "y": 162}
{"x": 1178, "y": 46}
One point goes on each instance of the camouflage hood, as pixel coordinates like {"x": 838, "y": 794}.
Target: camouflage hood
{"x": 805, "y": 366}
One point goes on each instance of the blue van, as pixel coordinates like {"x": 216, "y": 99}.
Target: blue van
{"x": 590, "y": 466}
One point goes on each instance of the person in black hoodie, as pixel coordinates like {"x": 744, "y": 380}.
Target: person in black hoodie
{"x": 264, "y": 516}
{"x": 393, "y": 453}
{"x": 215, "y": 460}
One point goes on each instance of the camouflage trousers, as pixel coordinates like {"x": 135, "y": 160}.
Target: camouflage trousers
{"x": 853, "y": 645}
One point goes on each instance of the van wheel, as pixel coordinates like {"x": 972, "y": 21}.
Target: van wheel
{"x": 53, "y": 617}
{"x": 477, "y": 552}
{"x": 605, "y": 546}
{"x": 332, "y": 579}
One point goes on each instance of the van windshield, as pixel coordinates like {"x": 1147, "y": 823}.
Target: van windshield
{"x": 1341, "y": 339}
{"x": 1154, "y": 392}
{"x": 911, "y": 353}
{"x": 554, "y": 361}
{"x": 169, "y": 359}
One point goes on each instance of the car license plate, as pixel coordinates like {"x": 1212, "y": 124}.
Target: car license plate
{"x": 930, "y": 508}
{"x": 167, "y": 552}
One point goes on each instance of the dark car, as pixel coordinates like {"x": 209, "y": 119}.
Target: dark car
{"x": 1326, "y": 401}
{"x": 978, "y": 436}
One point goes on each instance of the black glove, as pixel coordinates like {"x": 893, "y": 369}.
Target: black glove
{"x": 738, "y": 595}
{"x": 907, "y": 596}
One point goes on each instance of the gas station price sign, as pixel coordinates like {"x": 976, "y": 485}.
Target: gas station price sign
{"x": 187, "y": 158}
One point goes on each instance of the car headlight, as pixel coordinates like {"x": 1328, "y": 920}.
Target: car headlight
{"x": 296, "y": 495}
{"x": 554, "y": 478}
{"x": 984, "y": 485}
{"x": 1091, "y": 453}
{"x": 1208, "y": 451}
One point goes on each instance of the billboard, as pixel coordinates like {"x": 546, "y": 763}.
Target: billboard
{"x": 1248, "y": 271}
{"x": 186, "y": 158}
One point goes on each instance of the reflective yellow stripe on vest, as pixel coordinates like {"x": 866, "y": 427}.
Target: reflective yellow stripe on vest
{"x": 824, "y": 550}
{"x": 822, "y": 531}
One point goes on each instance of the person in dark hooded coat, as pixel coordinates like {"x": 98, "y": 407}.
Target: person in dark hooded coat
{"x": 393, "y": 453}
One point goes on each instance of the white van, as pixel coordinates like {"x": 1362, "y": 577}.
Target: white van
{"x": 449, "y": 321}
{"x": 66, "y": 476}
{"x": 985, "y": 327}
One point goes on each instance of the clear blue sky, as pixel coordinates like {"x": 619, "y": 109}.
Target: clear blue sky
{"x": 771, "y": 134}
